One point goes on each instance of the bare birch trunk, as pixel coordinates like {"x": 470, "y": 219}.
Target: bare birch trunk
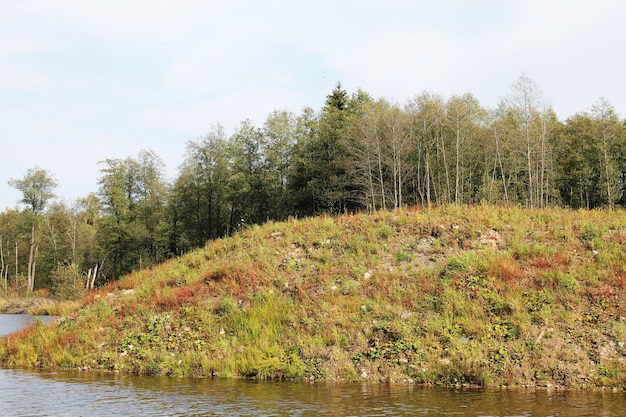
{"x": 32, "y": 263}
{"x": 88, "y": 280}
{"x": 93, "y": 278}
{"x": 16, "y": 267}
{"x": 2, "y": 273}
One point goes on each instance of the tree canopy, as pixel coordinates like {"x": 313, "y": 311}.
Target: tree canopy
{"x": 37, "y": 188}
{"x": 357, "y": 153}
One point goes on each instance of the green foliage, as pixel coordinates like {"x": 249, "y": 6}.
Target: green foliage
{"x": 132, "y": 230}
{"x": 355, "y": 154}
{"x": 36, "y": 187}
{"x": 451, "y": 294}
{"x": 67, "y": 282}
{"x": 375, "y": 297}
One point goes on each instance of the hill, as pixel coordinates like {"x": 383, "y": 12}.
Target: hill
{"x": 454, "y": 295}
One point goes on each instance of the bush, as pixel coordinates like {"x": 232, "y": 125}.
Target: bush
{"x": 67, "y": 282}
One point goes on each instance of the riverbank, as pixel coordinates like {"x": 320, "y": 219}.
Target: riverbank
{"x": 483, "y": 295}
{"x": 28, "y": 305}
{"x": 37, "y": 306}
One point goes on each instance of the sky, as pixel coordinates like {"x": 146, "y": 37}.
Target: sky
{"x": 85, "y": 81}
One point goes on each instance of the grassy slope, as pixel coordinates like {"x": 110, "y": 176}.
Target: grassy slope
{"x": 481, "y": 295}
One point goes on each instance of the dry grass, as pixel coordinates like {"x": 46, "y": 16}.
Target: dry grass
{"x": 473, "y": 295}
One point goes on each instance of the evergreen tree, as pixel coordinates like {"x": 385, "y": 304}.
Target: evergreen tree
{"x": 322, "y": 160}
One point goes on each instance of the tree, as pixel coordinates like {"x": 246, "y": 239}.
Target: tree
{"x": 366, "y": 153}
{"x": 607, "y": 132}
{"x": 68, "y": 235}
{"x": 427, "y": 113}
{"x": 591, "y": 158}
{"x": 37, "y": 190}
{"x": 303, "y": 167}
{"x": 198, "y": 203}
{"x": 579, "y": 163}
{"x": 20, "y": 236}
{"x": 281, "y": 131}
{"x": 395, "y": 125}
{"x": 36, "y": 187}
{"x": 132, "y": 230}
{"x": 465, "y": 119}
{"x": 67, "y": 282}
{"x": 530, "y": 120}
{"x": 3, "y": 269}
{"x": 321, "y": 160}
{"x": 249, "y": 185}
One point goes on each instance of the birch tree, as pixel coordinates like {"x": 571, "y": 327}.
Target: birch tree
{"x": 607, "y": 137}
{"x": 465, "y": 117}
{"x": 529, "y": 117}
{"x": 426, "y": 113}
{"x": 398, "y": 152}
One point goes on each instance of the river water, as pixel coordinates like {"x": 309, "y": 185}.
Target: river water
{"x": 26, "y": 393}
{"x": 47, "y": 393}
{"x": 12, "y": 322}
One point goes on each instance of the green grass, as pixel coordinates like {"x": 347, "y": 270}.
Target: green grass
{"x": 480, "y": 295}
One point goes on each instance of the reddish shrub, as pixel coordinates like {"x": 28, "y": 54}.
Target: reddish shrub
{"x": 507, "y": 270}
{"x": 555, "y": 262}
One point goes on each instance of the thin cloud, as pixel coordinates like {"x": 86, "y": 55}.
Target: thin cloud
{"x": 96, "y": 80}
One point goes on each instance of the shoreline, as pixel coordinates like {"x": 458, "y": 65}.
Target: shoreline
{"x": 34, "y": 306}
{"x": 483, "y": 297}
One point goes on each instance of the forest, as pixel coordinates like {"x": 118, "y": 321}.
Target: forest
{"x": 356, "y": 154}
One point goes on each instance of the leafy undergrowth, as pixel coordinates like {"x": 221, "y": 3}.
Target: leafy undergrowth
{"x": 480, "y": 295}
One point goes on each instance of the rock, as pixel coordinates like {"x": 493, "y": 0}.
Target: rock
{"x": 491, "y": 237}
{"x": 437, "y": 231}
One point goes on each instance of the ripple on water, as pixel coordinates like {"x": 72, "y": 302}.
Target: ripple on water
{"x": 24, "y": 393}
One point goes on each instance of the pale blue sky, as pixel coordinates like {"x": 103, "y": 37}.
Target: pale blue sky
{"x": 82, "y": 81}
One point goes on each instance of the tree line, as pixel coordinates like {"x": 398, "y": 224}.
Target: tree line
{"x": 357, "y": 154}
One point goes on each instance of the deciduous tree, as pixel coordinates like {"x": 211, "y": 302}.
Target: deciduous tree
{"x": 37, "y": 188}
{"x": 132, "y": 230}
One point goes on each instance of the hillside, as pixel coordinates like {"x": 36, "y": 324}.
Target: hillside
{"x": 474, "y": 295}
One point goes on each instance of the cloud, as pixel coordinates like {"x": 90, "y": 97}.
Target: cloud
{"x": 133, "y": 23}
{"x": 20, "y": 77}
{"x": 81, "y": 81}
{"x": 194, "y": 119}
{"x": 210, "y": 67}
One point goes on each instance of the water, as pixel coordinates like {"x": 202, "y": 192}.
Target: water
{"x": 12, "y": 322}
{"x": 24, "y": 393}
{"x": 46, "y": 393}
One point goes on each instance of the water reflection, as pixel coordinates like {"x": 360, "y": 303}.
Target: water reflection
{"x": 13, "y": 322}
{"x": 74, "y": 394}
